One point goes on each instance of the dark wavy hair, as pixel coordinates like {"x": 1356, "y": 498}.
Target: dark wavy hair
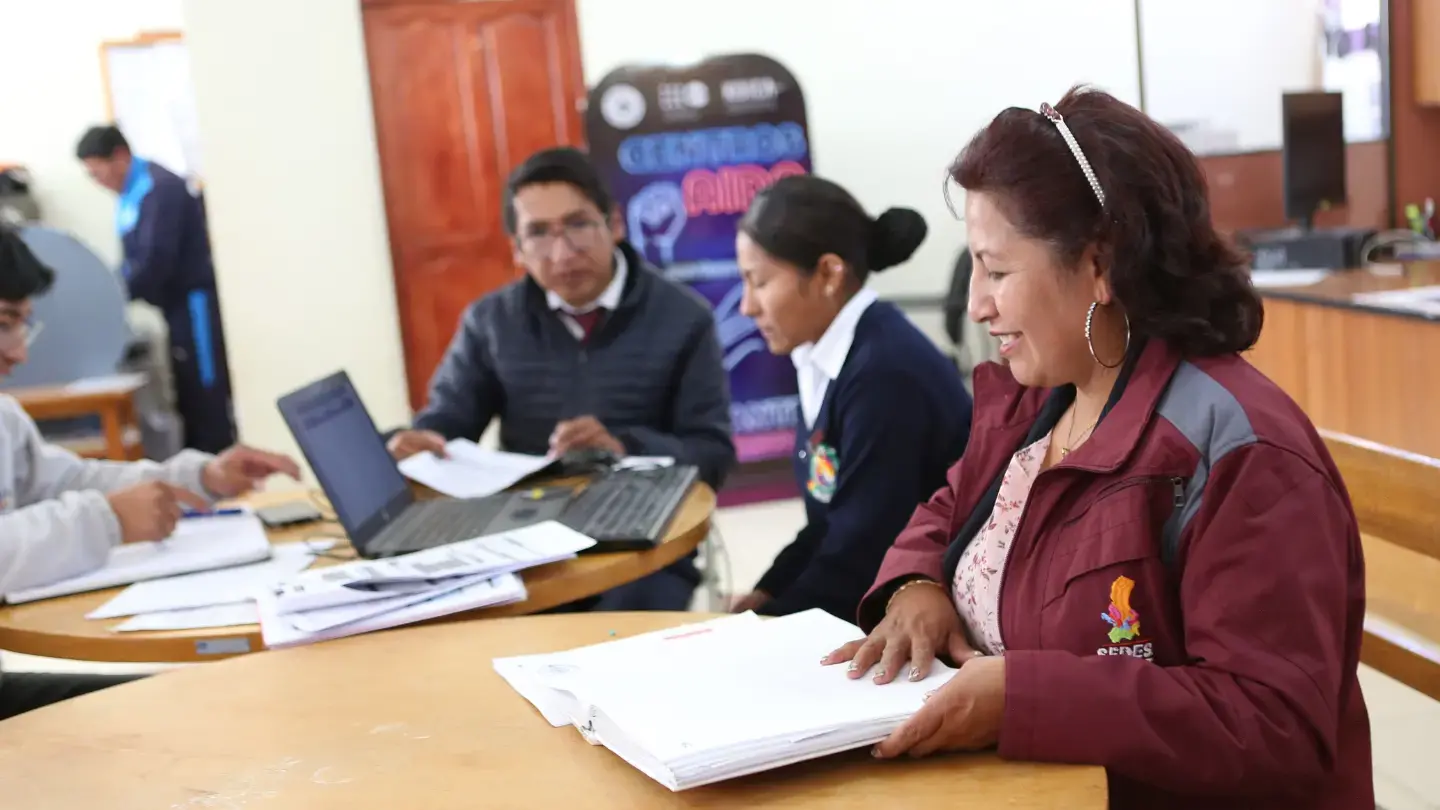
{"x": 1177, "y": 278}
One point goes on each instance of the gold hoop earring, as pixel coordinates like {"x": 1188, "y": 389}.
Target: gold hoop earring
{"x": 1089, "y": 340}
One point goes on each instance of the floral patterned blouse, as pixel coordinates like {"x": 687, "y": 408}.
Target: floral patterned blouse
{"x": 976, "y": 589}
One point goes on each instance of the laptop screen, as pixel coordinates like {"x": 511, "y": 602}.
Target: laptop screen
{"x": 348, "y": 455}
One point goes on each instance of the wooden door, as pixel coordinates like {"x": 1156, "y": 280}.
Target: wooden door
{"x": 463, "y": 92}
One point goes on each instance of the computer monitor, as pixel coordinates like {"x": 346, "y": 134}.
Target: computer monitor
{"x": 345, "y": 450}
{"x": 1313, "y": 128}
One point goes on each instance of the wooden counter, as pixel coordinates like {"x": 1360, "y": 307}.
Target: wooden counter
{"x": 1363, "y": 369}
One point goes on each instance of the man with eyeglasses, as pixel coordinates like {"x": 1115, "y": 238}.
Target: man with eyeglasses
{"x": 592, "y": 350}
{"x": 59, "y": 514}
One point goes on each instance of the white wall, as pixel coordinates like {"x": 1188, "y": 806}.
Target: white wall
{"x": 893, "y": 89}
{"x": 296, "y": 215}
{"x": 1221, "y": 65}
{"x": 51, "y": 91}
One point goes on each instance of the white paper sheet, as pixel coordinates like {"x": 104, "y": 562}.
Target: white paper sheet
{"x": 505, "y": 552}
{"x": 316, "y": 621}
{"x": 1425, "y": 300}
{"x": 471, "y": 471}
{"x": 1274, "y": 279}
{"x": 716, "y": 705}
{"x": 506, "y": 589}
{"x": 532, "y": 675}
{"x": 198, "y": 544}
{"x": 231, "y": 615}
{"x": 113, "y": 382}
{"x": 220, "y": 587}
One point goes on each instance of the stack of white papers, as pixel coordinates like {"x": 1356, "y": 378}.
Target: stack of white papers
{"x": 366, "y": 595}
{"x": 198, "y": 544}
{"x": 729, "y": 699}
{"x": 221, "y": 598}
{"x": 470, "y": 471}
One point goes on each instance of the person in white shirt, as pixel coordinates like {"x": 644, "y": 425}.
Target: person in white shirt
{"x": 883, "y": 413}
{"x": 60, "y": 514}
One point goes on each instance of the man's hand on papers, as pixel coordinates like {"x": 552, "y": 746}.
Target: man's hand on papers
{"x": 963, "y": 715}
{"x": 919, "y": 625}
{"x": 241, "y": 469}
{"x": 583, "y": 433}
{"x": 149, "y": 511}
{"x": 409, "y": 443}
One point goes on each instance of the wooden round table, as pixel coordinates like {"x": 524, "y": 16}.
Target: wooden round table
{"x": 416, "y": 717}
{"x": 57, "y": 628}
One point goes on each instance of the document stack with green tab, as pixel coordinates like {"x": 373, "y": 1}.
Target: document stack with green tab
{"x": 732, "y": 697}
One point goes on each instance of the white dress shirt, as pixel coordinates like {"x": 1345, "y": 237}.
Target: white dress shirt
{"x": 818, "y": 363}
{"x": 608, "y": 300}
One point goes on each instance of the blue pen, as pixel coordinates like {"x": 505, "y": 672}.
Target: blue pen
{"x": 190, "y": 513}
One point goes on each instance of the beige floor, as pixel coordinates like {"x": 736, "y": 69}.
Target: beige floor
{"x": 1406, "y": 724}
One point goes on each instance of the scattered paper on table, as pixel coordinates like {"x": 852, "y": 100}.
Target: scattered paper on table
{"x": 505, "y": 552}
{"x": 198, "y": 544}
{"x": 219, "y": 587}
{"x": 232, "y": 615}
{"x": 279, "y": 632}
{"x": 471, "y": 471}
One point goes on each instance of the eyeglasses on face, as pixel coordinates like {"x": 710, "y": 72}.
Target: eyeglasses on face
{"x": 14, "y": 334}
{"x": 579, "y": 234}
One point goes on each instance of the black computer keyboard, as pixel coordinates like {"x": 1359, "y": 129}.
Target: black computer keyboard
{"x": 630, "y": 509}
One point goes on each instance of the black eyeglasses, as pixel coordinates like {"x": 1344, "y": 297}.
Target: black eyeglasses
{"x": 579, "y": 234}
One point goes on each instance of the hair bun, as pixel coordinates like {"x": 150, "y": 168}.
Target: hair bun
{"x": 894, "y": 236}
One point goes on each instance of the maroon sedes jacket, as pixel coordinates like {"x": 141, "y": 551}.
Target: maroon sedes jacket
{"x": 1183, "y": 601}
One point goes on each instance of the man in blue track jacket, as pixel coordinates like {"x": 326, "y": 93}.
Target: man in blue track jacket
{"x": 167, "y": 264}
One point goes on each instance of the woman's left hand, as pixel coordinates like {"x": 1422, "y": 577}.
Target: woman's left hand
{"x": 962, "y": 715}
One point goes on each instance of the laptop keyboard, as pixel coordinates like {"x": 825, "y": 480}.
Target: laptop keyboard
{"x": 434, "y": 523}
{"x": 630, "y": 506}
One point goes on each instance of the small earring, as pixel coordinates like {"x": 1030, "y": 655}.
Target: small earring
{"x": 1089, "y": 341}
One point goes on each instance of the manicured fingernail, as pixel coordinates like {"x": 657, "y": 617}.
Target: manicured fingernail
{"x": 914, "y": 673}
{"x": 879, "y": 675}
{"x": 928, "y": 695}
{"x": 875, "y": 752}
{"x": 854, "y": 667}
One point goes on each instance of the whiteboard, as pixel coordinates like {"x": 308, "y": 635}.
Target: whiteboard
{"x": 152, "y": 100}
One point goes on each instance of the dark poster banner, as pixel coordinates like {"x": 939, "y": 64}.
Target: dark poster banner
{"x": 685, "y": 149}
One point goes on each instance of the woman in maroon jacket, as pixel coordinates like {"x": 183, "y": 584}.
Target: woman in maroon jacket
{"x": 1146, "y": 559}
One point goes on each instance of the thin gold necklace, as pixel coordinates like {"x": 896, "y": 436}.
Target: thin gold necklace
{"x": 1070, "y": 434}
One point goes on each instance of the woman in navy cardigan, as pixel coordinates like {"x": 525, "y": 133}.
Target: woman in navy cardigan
{"x": 883, "y": 412}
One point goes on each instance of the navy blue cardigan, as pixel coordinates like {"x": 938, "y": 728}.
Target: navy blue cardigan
{"x": 893, "y": 422}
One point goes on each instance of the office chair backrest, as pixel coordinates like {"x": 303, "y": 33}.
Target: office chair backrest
{"x": 958, "y": 299}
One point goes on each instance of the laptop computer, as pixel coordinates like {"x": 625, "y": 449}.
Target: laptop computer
{"x": 372, "y": 499}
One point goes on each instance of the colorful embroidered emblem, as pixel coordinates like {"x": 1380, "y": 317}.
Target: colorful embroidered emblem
{"x": 824, "y": 468}
{"x": 1123, "y": 620}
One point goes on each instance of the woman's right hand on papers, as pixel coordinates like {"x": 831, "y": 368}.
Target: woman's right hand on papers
{"x": 150, "y": 511}
{"x": 408, "y": 443}
{"x": 918, "y": 625}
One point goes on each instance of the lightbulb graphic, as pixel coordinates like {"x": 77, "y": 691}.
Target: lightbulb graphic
{"x": 656, "y": 216}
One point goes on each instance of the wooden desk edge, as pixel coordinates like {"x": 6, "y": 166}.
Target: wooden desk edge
{"x": 211, "y": 644}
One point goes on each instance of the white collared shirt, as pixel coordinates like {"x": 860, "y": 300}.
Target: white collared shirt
{"x": 609, "y": 300}
{"x": 818, "y": 363}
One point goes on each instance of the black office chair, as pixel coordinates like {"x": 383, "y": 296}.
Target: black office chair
{"x": 958, "y": 299}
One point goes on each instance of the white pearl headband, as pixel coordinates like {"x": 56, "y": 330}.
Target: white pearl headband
{"x": 1059, "y": 121}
